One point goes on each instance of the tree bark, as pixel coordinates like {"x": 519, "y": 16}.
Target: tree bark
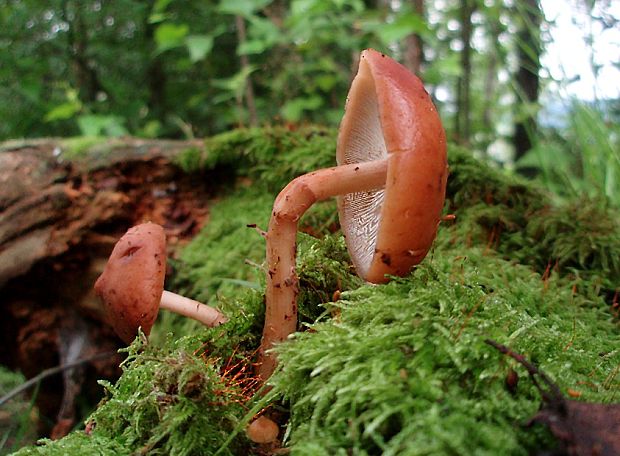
{"x": 414, "y": 51}
{"x": 86, "y": 78}
{"x": 527, "y": 80}
{"x": 462, "y": 120}
{"x": 156, "y": 77}
{"x": 49, "y": 204}
{"x": 245, "y": 63}
{"x": 490, "y": 85}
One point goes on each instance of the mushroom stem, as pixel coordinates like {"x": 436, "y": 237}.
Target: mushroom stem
{"x": 206, "y": 315}
{"x": 290, "y": 205}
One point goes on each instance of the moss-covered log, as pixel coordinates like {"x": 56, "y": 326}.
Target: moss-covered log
{"x": 400, "y": 368}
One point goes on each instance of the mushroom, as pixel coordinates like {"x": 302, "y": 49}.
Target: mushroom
{"x": 390, "y": 182}
{"x": 132, "y": 285}
{"x": 263, "y": 430}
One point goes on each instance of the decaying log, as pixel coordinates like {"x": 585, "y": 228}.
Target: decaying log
{"x": 49, "y": 203}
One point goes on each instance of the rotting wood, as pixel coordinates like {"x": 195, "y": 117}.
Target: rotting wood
{"x": 48, "y": 203}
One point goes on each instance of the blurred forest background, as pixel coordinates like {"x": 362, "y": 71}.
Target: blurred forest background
{"x": 184, "y": 69}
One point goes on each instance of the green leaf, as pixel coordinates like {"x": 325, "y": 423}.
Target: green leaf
{"x": 169, "y": 36}
{"x": 161, "y": 5}
{"x": 441, "y": 69}
{"x": 101, "y": 125}
{"x": 156, "y": 18}
{"x": 31, "y": 89}
{"x": 235, "y": 84}
{"x": 199, "y": 46}
{"x": 263, "y": 34}
{"x": 404, "y": 25}
{"x": 63, "y": 111}
{"x": 252, "y": 47}
{"x": 158, "y": 13}
{"x": 293, "y": 109}
{"x": 245, "y": 8}
{"x": 326, "y": 82}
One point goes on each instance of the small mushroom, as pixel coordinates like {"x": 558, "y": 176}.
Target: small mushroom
{"x": 390, "y": 179}
{"x": 132, "y": 285}
{"x": 263, "y": 430}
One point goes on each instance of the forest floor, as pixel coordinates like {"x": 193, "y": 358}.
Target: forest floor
{"x": 401, "y": 368}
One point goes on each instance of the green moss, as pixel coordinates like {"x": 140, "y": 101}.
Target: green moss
{"x": 268, "y": 157}
{"x": 579, "y": 238}
{"x": 77, "y": 443}
{"x": 223, "y": 258}
{"x": 404, "y": 368}
{"x": 171, "y": 401}
{"x": 190, "y": 160}
{"x": 324, "y": 268}
{"x": 181, "y": 397}
{"x": 78, "y": 146}
{"x": 400, "y": 368}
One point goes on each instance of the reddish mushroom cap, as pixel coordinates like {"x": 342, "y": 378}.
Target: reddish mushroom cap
{"x": 132, "y": 282}
{"x": 263, "y": 430}
{"x": 390, "y": 114}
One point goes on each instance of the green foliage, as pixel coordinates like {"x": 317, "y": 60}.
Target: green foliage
{"x": 17, "y": 417}
{"x": 585, "y": 161}
{"x": 183, "y": 69}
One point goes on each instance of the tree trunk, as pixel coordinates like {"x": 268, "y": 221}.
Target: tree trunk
{"x": 463, "y": 124}
{"x": 527, "y": 81}
{"x": 50, "y": 204}
{"x": 462, "y": 120}
{"x": 414, "y": 52}
{"x": 86, "y": 78}
{"x": 490, "y": 85}
{"x": 245, "y": 63}
{"x": 156, "y": 77}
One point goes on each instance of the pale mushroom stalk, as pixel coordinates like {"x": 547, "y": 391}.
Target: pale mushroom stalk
{"x": 292, "y": 202}
{"x": 131, "y": 286}
{"x": 190, "y": 308}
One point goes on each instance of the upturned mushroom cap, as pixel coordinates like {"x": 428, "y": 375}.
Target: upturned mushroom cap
{"x": 390, "y": 114}
{"x": 132, "y": 282}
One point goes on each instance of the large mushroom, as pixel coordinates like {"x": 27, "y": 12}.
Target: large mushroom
{"x": 390, "y": 179}
{"x": 132, "y": 285}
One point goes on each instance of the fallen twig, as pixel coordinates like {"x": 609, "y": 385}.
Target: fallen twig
{"x": 49, "y": 372}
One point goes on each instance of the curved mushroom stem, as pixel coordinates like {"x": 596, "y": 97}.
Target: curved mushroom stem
{"x": 203, "y": 313}
{"x": 290, "y": 205}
